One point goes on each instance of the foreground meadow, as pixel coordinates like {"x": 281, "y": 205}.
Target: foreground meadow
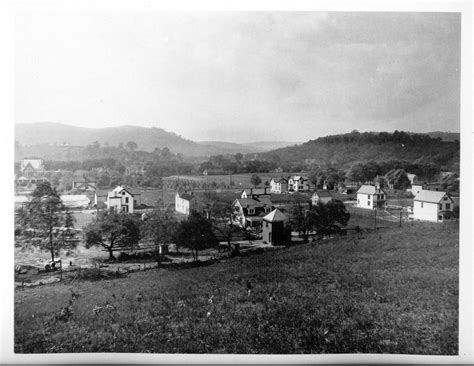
{"x": 392, "y": 291}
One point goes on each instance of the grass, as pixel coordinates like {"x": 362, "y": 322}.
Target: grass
{"x": 240, "y": 181}
{"x": 394, "y": 291}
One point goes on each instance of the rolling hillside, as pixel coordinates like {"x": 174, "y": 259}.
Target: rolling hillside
{"x": 344, "y": 150}
{"x": 63, "y": 142}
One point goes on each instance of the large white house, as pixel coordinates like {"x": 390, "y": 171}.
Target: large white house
{"x": 371, "y": 197}
{"x": 184, "y": 202}
{"x": 279, "y": 185}
{"x": 298, "y": 183}
{"x": 432, "y": 206}
{"x": 120, "y": 199}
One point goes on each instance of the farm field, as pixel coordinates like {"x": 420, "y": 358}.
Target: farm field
{"x": 393, "y": 291}
{"x": 240, "y": 181}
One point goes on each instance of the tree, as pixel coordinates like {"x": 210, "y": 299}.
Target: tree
{"x": 195, "y": 233}
{"x": 222, "y": 216}
{"x": 112, "y": 229}
{"x": 131, "y": 145}
{"x": 329, "y": 218}
{"x": 398, "y": 178}
{"x": 159, "y": 226}
{"x": 255, "y": 180}
{"x": 68, "y": 230}
{"x": 302, "y": 218}
{"x": 44, "y": 213}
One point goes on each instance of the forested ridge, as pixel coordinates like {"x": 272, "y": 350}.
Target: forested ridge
{"x": 346, "y": 149}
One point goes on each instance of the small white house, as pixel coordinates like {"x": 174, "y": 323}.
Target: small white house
{"x": 184, "y": 202}
{"x": 433, "y": 206}
{"x": 120, "y": 199}
{"x": 371, "y": 197}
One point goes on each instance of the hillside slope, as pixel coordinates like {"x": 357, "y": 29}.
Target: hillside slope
{"x": 344, "y": 150}
{"x": 395, "y": 295}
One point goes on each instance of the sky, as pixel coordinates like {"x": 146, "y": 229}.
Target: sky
{"x": 240, "y": 76}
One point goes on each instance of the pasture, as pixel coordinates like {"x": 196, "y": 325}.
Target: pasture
{"x": 240, "y": 181}
{"x": 391, "y": 291}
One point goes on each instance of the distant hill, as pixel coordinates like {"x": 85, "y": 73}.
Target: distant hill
{"x": 344, "y": 150}
{"x": 48, "y": 140}
{"x": 248, "y": 147}
{"x": 445, "y": 136}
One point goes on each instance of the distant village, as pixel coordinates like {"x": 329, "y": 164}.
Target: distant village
{"x": 263, "y": 209}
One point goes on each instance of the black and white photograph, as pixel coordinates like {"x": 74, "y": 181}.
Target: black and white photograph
{"x": 239, "y": 182}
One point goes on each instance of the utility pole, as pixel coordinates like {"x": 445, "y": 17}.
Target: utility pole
{"x": 400, "y": 219}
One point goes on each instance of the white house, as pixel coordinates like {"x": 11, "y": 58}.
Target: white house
{"x": 184, "y": 202}
{"x": 298, "y": 183}
{"x": 371, "y": 197}
{"x": 279, "y": 185}
{"x": 120, "y": 199}
{"x": 432, "y": 206}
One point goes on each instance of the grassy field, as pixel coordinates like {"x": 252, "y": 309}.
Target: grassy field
{"x": 393, "y": 291}
{"x": 239, "y": 180}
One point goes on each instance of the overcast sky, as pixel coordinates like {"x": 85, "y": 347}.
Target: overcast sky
{"x": 240, "y": 76}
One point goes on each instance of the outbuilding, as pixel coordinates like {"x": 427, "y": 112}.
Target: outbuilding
{"x": 274, "y": 228}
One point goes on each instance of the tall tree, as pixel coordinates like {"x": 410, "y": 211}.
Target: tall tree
{"x": 329, "y": 218}
{"x": 195, "y": 233}
{"x": 222, "y": 216}
{"x": 159, "y": 226}
{"x": 112, "y": 229}
{"x": 302, "y": 219}
{"x": 44, "y": 213}
{"x": 255, "y": 180}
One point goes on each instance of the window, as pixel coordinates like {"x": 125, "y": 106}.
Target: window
{"x": 440, "y": 206}
{"x": 421, "y": 204}
{"x": 123, "y": 193}
{"x": 126, "y": 199}
{"x": 266, "y": 224}
{"x": 251, "y": 211}
{"x": 358, "y": 201}
{"x": 368, "y": 202}
{"x": 448, "y": 206}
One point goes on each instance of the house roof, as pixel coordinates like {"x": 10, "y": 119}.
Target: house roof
{"x": 365, "y": 189}
{"x": 411, "y": 176}
{"x": 254, "y": 203}
{"x": 322, "y": 193}
{"x": 280, "y": 180}
{"x": 101, "y": 192}
{"x": 186, "y": 196}
{"x": 275, "y": 216}
{"x": 430, "y": 196}
{"x": 257, "y": 191}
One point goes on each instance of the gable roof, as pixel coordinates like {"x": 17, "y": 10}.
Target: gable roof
{"x": 256, "y": 191}
{"x": 275, "y": 216}
{"x": 254, "y": 202}
{"x": 119, "y": 189}
{"x": 322, "y": 193}
{"x": 366, "y": 189}
{"x": 430, "y": 196}
{"x": 280, "y": 180}
{"x": 186, "y": 196}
